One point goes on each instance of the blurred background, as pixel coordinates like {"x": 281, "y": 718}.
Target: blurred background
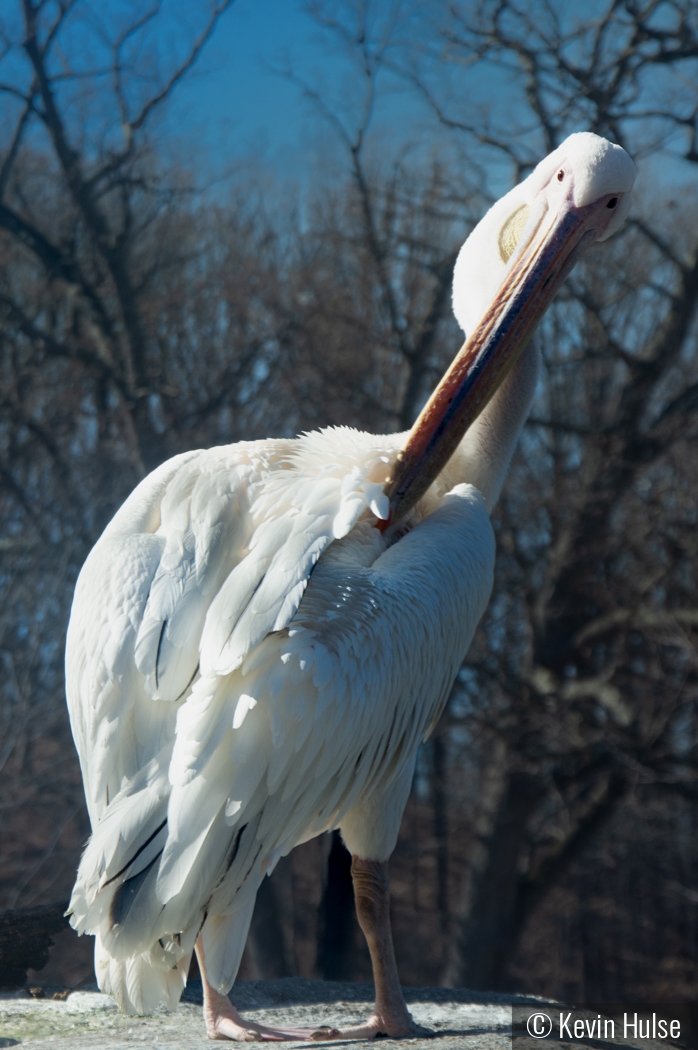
{"x": 230, "y": 220}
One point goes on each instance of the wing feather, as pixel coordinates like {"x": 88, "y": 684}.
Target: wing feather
{"x": 226, "y": 704}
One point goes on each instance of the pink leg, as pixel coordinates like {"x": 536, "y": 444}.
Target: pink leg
{"x": 223, "y": 1021}
{"x": 391, "y": 1016}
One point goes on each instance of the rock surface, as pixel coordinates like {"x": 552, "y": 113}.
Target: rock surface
{"x": 460, "y": 1019}
{"x": 88, "y": 1019}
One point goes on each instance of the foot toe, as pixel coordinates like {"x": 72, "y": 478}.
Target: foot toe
{"x": 227, "y": 1030}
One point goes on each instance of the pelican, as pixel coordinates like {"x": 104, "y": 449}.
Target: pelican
{"x": 227, "y": 705}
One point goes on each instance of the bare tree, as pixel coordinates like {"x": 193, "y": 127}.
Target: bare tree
{"x": 581, "y": 674}
{"x": 140, "y": 316}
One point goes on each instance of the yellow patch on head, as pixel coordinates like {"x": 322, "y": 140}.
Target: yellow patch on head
{"x": 511, "y": 232}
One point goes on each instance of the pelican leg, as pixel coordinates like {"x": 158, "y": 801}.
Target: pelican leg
{"x": 223, "y": 1021}
{"x": 391, "y": 1016}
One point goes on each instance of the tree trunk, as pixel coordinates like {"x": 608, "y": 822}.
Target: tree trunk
{"x": 440, "y": 803}
{"x": 266, "y": 943}
{"x": 337, "y": 920}
{"x": 485, "y": 935}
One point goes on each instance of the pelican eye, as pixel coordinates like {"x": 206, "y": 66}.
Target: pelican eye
{"x": 511, "y": 231}
{"x": 561, "y": 175}
{"x": 612, "y": 203}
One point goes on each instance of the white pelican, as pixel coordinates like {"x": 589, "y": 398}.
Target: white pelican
{"x": 219, "y": 719}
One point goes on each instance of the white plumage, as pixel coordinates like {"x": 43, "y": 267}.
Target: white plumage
{"x": 227, "y": 705}
{"x": 216, "y": 729}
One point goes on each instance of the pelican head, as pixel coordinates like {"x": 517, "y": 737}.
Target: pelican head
{"x": 585, "y": 170}
{"x": 507, "y": 273}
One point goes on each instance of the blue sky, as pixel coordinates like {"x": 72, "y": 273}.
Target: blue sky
{"x": 237, "y": 104}
{"x": 230, "y": 102}
{"x": 234, "y": 99}
{"x": 233, "y": 106}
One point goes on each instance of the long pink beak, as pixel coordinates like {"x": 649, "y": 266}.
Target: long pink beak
{"x": 538, "y": 269}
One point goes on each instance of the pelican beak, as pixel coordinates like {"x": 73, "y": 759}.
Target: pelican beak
{"x": 541, "y": 262}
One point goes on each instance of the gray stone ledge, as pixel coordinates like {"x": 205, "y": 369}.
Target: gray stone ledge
{"x": 88, "y": 1019}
